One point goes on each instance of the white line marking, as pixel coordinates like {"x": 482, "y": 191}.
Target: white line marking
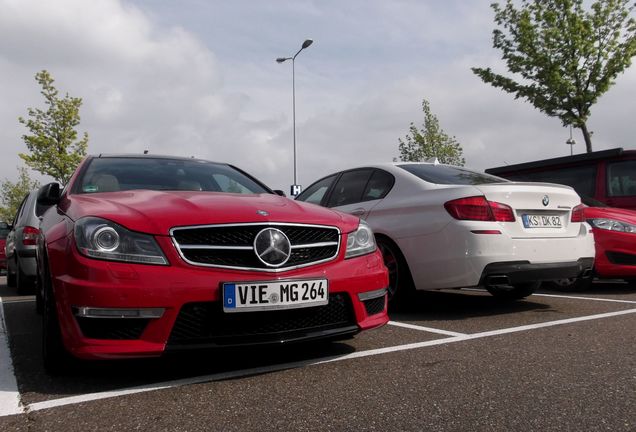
{"x": 9, "y": 394}
{"x": 585, "y": 298}
{"x": 426, "y": 329}
{"x": 279, "y": 367}
{"x": 565, "y": 296}
{"x": 31, "y": 300}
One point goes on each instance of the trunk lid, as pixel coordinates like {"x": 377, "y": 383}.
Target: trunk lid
{"x": 540, "y": 209}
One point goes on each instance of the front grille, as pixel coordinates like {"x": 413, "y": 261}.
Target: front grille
{"x": 232, "y": 246}
{"x": 206, "y": 323}
{"x": 112, "y": 328}
{"x": 619, "y": 258}
{"x": 374, "y": 306}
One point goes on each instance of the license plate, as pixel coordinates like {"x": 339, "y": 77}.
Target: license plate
{"x": 254, "y": 296}
{"x": 542, "y": 221}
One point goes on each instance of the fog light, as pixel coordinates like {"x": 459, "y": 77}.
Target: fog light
{"x": 92, "y": 312}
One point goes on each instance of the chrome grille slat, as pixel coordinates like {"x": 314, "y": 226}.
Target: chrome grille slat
{"x": 231, "y": 245}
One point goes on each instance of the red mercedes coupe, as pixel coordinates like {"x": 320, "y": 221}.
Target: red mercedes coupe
{"x": 143, "y": 254}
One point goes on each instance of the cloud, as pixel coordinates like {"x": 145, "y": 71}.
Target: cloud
{"x": 143, "y": 87}
{"x": 199, "y": 78}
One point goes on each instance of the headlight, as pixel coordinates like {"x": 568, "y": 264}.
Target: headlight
{"x": 103, "y": 239}
{"x": 612, "y": 225}
{"x": 360, "y": 241}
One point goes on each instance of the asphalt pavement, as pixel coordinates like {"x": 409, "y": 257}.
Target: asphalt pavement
{"x": 455, "y": 361}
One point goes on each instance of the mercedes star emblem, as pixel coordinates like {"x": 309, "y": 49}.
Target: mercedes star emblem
{"x": 272, "y": 247}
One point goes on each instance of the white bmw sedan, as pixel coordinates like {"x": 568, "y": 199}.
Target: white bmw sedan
{"x": 441, "y": 226}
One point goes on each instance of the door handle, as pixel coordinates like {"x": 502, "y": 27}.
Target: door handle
{"x": 358, "y": 212}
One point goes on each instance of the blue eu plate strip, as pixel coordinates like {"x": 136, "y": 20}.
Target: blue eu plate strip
{"x": 229, "y": 291}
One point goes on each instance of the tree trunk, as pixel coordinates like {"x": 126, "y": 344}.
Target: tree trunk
{"x": 588, "y": 138}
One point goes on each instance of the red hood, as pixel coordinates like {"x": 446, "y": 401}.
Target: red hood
{"x": 614, "y": 213}
{"x": 155, "y": 212}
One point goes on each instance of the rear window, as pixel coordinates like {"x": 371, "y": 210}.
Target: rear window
{"x": 444, "y": 174}
{"x": 121, "y": 174}
{"x": 4, "y": 230}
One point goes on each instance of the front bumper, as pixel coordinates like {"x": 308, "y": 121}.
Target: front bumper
{"x": 615, "y": 254}
{"x": 191, "y": 300}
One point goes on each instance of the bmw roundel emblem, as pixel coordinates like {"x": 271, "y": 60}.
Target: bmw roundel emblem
{"x": 546, "y": 200}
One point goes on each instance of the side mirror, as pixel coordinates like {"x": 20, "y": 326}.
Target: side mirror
{"x": 279, "y": 192}
{"x": 49, "y": 194}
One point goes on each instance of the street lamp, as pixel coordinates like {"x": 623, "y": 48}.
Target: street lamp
{"x": 295, "y": 188}
{"x": 571, "y": 142}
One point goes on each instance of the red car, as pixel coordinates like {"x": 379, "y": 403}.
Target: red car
{"x": 4, "y": 230}
{"x": 140, "y": 255}
{"x": 615, "y": 241}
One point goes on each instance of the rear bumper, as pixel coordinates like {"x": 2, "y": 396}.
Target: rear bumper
{"x": 518, "y": 272}
{"x": 459, "y": 256}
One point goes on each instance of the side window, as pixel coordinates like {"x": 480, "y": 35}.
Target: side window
{"x": 379, "y": 185}
{"x": 20, "y": 211}
{"x": 349, "y": 188}
{"x": 621, "y": 178}
{"x": 581, "y": 178}
{"x": 315, "y": 193}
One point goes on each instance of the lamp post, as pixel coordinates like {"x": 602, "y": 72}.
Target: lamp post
{"x": 571, "y": 142}
{"x": 295, "y": 188}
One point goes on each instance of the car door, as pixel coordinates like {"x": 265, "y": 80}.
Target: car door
{"x": 358, "y": 191}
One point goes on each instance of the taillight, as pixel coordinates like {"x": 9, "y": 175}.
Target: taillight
{"x": 577, "y": 213}
{"x": 480, "y": 209}
{"x": 30, "y": 236}
{"x": 502, "y": 212}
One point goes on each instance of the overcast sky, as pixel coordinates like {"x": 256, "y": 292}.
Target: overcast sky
{"x": 199, "y": 78}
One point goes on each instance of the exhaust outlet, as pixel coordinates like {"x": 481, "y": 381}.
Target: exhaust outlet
{"x": 497, "y": 280}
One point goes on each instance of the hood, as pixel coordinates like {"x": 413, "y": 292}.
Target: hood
{"x": 155, "y": 212}
{"x": 614, "y": 213}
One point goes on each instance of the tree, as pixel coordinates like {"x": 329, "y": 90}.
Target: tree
{"x": 564, "y": 57}
{"x": 52, "y": 142}
{"x": 430, "y": 141}
{"x": 12, "y": 194}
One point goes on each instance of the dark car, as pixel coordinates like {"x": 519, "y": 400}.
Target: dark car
{"x": 21, "y": 245}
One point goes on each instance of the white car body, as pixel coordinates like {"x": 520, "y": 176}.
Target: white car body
{"x": 444, "y": 252}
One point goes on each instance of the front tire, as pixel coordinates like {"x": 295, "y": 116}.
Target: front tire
{"x": 56, "y": 359}
{"x": 513, "y": 292}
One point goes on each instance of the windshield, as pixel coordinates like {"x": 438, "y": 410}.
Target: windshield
{"x": 112, "y": 174}
{"x": 449, "y": 175}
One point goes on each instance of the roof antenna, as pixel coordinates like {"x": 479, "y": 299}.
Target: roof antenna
{"x": 145, "y": 151}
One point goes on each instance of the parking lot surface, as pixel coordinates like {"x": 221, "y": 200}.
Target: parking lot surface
{"x": 456, "y": 360}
